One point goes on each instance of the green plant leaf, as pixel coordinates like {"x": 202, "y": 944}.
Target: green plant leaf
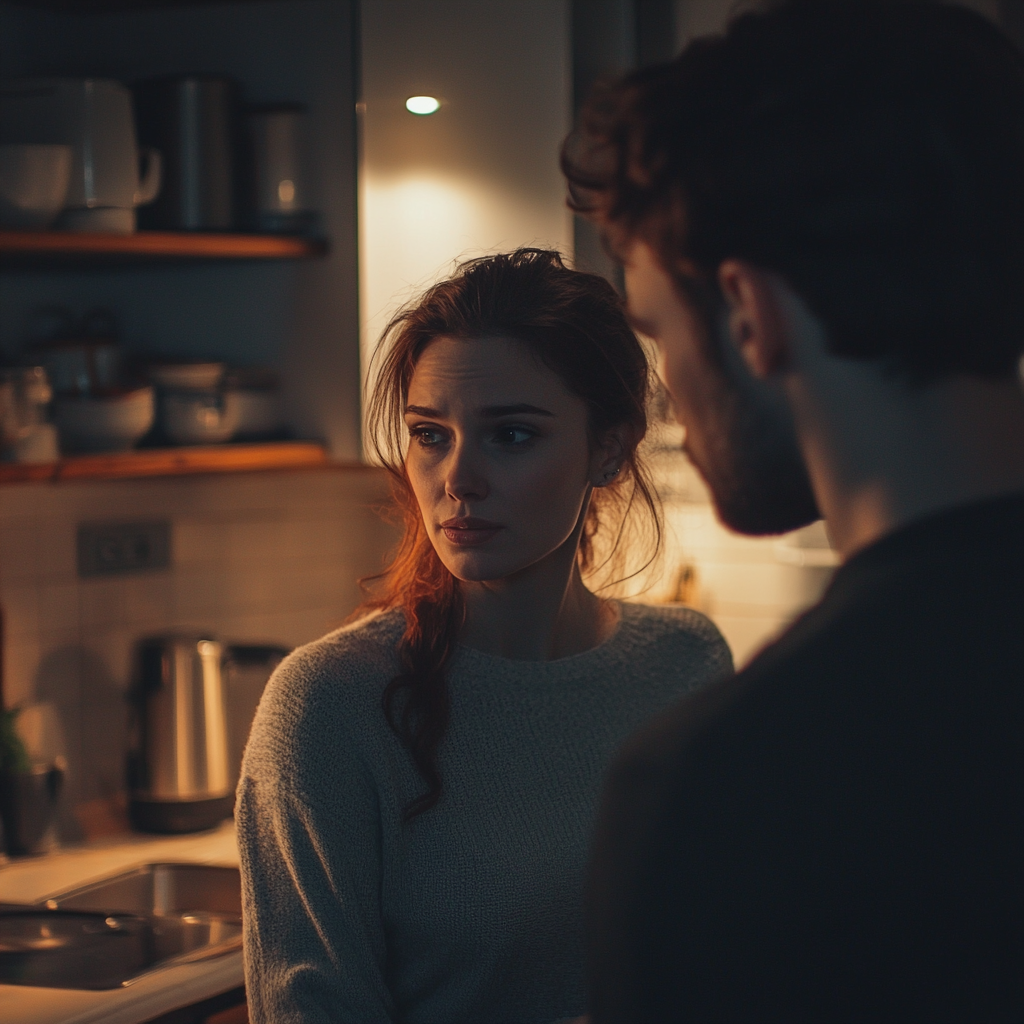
{"x": 13, "y": 755}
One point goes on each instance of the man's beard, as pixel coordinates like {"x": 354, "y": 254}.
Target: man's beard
{"x": 748, "y": 453}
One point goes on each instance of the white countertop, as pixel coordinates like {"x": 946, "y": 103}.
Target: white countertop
{"x": 29, "y": 880}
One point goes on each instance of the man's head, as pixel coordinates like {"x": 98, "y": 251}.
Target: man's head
{"x": 870, "y": 154}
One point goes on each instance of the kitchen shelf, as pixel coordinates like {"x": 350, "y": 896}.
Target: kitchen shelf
{"x": 147, "y": 462}
{"x": 107, "y": 6}
{"x": 77, "y": 248}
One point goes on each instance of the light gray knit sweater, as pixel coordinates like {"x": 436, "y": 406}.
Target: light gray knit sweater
{"x": 472, "y": 912}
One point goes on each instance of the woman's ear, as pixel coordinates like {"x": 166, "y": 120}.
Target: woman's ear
{"x": 757, "y": 323}
{"x": 608, "y": 456}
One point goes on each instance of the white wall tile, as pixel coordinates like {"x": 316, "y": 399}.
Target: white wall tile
{"x": 56, "y": 546}
{"x": 199, "y": 541}
{"x": 102, "y": 603}
{"x": 21, "y": 661}
{"x": 109, "y": 658}
{"x": 18, "y": 562}
{"x": 200, "y": 594}
{"x": 149, "y": 600}
{"x": 58, "y": 605}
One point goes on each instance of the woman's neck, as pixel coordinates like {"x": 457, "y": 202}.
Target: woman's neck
{"x": 542, "y": 613}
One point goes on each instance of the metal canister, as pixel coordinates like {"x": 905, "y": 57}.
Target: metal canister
{"x": 194, "y": 117}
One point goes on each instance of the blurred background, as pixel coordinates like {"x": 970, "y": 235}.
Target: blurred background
{"x": 337, "y": 202}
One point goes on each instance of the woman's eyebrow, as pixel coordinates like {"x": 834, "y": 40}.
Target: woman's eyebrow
{"x": 488, "y": 411}
{"x": 513, "y": 410}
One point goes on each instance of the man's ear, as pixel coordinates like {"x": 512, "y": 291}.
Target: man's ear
{"x": 757, "y": 323}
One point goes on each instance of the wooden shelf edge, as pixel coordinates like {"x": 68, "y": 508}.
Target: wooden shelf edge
{"x": 155, "y": 245}
{"x": 154, "y": 462}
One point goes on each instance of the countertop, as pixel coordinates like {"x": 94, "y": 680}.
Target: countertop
{"x": 27, "y": 880}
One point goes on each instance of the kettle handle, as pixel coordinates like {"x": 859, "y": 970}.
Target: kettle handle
{"x": 149, "y": 186}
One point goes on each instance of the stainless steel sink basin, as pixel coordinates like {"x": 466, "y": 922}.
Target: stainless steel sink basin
{"x": 158, "y": 889}
{"x": 173, "y": 914}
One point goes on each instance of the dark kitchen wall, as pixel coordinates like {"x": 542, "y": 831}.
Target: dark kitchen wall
{"x": 299, "y": 316}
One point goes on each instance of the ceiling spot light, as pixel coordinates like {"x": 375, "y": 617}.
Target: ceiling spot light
{"x": 422, "y": 105}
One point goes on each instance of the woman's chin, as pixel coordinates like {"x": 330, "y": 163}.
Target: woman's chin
{"x": 477, "y": 566}
{"x": 471, "y": 568}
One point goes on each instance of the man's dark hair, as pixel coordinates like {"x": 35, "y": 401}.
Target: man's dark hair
{"x": 870, "y": 152}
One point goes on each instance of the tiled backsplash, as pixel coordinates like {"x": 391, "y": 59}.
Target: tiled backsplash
{"x": 261, "y": 557}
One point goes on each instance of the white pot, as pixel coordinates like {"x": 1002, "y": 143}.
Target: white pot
{"x": 200, "y": 417}
{"x": 108, "y": 424}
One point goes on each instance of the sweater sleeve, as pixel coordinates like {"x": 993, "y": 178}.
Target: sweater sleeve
{"x": 309, "y": 841}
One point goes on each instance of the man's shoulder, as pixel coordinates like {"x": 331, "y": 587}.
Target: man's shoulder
{"x": 841, "y": 800}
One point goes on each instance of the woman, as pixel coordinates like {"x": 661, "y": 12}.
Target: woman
{"x": 418, "y": 788}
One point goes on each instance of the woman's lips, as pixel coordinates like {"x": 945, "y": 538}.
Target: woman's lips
{"x": 468, "y": 531}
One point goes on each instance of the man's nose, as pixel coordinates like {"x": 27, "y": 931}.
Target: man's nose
{"x": 465, "y": 479}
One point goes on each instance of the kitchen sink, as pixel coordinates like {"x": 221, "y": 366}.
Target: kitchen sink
{"x": 108, "y": 932}
{"x": 158, "y": 889}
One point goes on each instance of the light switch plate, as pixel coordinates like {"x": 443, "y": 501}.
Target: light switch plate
{"x": 109, "y": 549}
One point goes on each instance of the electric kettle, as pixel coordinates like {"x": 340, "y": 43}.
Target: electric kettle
{"x": 179, "y": 775}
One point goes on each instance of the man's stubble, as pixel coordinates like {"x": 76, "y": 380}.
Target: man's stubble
{"x": 745, "y": 445}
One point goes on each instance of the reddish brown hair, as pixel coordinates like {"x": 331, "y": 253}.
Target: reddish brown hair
{"x": 574, "y": 323}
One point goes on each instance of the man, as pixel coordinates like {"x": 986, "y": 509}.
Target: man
{"x": 821, "y": 219}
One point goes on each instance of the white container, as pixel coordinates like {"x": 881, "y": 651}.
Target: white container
{"x": 279, "y": 186}
{"x": 200, "y": 417}
{"x": 33, "y": 184}
{"x": 108, "y": 424}
{"x": 94, "y": 117}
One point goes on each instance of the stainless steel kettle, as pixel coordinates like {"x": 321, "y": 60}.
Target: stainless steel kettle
{"x": 178, "y": 769}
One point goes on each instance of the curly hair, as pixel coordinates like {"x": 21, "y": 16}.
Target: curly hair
{"x": 872, "y": 153}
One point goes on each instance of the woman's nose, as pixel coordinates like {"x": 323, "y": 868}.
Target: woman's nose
{"x": 464, "y": 480}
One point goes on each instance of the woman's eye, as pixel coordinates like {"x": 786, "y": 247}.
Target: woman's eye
{"x": 514, "y": 435}
{"x": 426, "y": 436}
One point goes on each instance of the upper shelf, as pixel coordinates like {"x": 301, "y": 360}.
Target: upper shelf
{"x": 75, "y": 248}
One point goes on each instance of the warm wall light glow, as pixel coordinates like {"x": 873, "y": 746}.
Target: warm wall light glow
{"x": 422, "y": 105}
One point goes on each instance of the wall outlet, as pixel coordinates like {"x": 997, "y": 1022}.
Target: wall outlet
{"x": 108, "y": 549}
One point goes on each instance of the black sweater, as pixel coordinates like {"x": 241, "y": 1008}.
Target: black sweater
{"x": 836, "y": 832}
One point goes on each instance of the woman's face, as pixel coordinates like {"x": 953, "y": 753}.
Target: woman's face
{"x": 499, "y": 457}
